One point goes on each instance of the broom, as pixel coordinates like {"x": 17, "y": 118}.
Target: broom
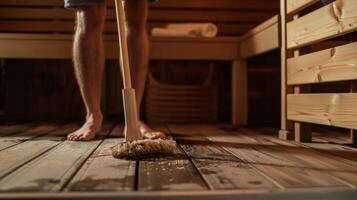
{"x": 134, "y": 146}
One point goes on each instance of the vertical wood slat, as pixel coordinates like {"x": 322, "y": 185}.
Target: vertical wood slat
{"x": 239, "y": 93}
{"x": 303, "y": 132}
{"x": 285, "y": 126}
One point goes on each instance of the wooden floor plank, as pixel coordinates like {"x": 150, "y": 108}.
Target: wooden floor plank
{"x": 52, "y": 170}
{"x": 13, "y": 129}
{"x": 11, "y": 140}
{"x": 171, "y": 173}
{"x": 320, "y": 159}
{"x": 18, "y": 155}
{"x": 220, "y": 169}
{"x": 103, "y": 172}
{"x": 274, "y": 164}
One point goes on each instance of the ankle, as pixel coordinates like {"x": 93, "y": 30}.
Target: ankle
{"x": 95, "y": 118}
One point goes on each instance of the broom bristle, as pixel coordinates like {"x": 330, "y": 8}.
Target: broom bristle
{"x": 146, "y": 148}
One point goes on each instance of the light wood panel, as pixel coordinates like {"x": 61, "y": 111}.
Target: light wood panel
{"x": 296, "y": 5}
{"x": 262, "y": 38}
{"x": 329, "y": 21}
{"x": 328, "y": 109}
{"x": 334, "y": 64}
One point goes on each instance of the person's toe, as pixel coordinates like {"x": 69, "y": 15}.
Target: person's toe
{"x": 85, "y": 138}
{"x": 70, "y": 136}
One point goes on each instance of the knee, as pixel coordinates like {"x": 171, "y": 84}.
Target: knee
{"x": 91, "y": 19}
{"x": 136, "y": 27}
{"x": 136, "y": 12}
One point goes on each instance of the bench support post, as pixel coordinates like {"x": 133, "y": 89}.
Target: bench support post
{"x": 239, "y": 93}
{"x": 285, "y": 132}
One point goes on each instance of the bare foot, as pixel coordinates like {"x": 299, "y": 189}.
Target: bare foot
{"x": 87, "y": 131}
{"x": 148, "y": 133}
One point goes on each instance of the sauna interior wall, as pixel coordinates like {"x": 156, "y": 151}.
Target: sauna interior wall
{"x": 46, "y": 89}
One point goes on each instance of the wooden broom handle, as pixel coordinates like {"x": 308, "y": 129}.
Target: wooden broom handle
{"x": 123, "y": 47}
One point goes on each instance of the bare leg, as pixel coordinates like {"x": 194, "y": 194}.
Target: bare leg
{"x": 138, "y": 44}
{"x": 88, "y": 58}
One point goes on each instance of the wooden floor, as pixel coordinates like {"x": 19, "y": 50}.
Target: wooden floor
{"x": 36, "y": 158}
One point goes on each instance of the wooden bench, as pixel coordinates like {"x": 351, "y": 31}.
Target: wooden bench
{"x": 306, "y": 23}
{"x": 43, "y": 30}
{"x": 261, "y": 39}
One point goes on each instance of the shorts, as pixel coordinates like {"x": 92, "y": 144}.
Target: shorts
{"x": 77, "y": 3}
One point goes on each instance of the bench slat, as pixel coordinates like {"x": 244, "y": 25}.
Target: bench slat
{"x": 296, "y": 5}
{"x": 262, "y": 38}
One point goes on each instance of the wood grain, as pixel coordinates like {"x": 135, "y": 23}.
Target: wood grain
{"x": 220, "y": 169}
{"x": 261, "y": 39}
{"x": 293, "y": 6}
{"x": 327, "y": 109}
{"x": 103, "y": 172}
{"x": 52, "y": 170}
{"x": 267, "y": 157}
{"x": 240, "y": 93}
{"x": 18, "y": 155}
{"x": 172, "y": 173}
{"x": 329, "y": 21}
{"x": 334, "y": 64}
{"x": 12, "y": 140}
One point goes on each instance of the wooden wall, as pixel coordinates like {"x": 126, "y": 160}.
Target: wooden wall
{"x": 46, "y": 89}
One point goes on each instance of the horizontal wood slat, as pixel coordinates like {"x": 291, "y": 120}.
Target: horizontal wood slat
{"x": 162, "y": 15}
{"x": 47, "y": 16}
{"x": 327, "y": 22}
{"x": 334, "y": 64}
{"x": 202, "y": 4}
{"x": 262, "y": 38}
{"x": 338, "y": 110}
{"x": 24, "y": 26}
{"x": 296, "y": 5}
{"x": 53, "y": 46}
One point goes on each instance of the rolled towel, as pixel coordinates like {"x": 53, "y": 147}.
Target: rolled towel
{"x": 165, "y": 32}
{"x": 207, "y": 30}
